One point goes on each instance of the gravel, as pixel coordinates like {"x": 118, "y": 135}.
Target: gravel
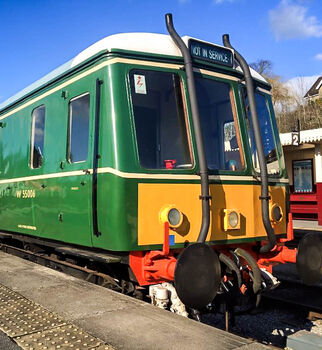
{"x": 274, "y": 321}
{"x": 270, "y": 324}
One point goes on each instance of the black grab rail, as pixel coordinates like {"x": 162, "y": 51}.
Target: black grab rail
{"x": 205, "y": 197}
{"x": 264, "y": 197}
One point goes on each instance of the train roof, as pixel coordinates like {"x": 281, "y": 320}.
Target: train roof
{"x": 160, "y": 44}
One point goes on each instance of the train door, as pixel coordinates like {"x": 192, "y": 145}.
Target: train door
{"x": 76, "y": 205}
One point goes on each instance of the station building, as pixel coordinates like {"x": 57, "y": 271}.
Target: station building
{"x": 315, "y": 92}
{"x": 303, "y": 158}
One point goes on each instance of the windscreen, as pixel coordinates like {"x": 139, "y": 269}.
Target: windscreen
{"x": 160, "y": 122}
{"x": 219, "y": 125}
{"x": 266, "y": 129}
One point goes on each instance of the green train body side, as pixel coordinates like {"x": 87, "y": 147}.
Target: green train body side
{"x": 62, "y": 207}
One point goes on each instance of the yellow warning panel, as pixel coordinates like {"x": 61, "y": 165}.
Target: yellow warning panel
{"x": 31, "y": 326}
{"x": 152, "y": 198}
{"x": 61, "y": 337}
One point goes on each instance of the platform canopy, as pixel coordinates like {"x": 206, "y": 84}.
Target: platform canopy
{"x": 306, "y": 136}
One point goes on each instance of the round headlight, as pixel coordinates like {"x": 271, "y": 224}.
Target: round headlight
{"x": 233, "y": 219}
{"x": 276, "y": 213}
{"x": 174, "y": 217}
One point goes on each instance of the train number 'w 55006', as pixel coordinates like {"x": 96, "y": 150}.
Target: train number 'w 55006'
{"x": 26, "y": 194}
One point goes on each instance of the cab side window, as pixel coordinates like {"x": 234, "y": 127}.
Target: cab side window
{"x": 37, "y": 137}
{"x": 78, "y": 131}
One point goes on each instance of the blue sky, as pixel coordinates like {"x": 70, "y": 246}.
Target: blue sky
{"x": 38, "y": 36}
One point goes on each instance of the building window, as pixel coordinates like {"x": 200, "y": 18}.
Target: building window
{"x": 303, "y": 176}
{"x": 37, "y": 137}
{"x": 78, "y": 128}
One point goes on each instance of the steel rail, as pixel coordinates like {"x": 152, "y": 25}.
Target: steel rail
{"x": 294, "y": 293}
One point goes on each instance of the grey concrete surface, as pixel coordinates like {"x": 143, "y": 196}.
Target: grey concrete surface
{"x": 306, "y": 225}
{"x": 6, "y": 343}
{"x": 121, "y": 321}
{"x": 304, "y": 341}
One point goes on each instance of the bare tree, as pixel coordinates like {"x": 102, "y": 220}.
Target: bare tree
{"x": 308, "y": 111}
{"x": 280, "y": 93}
{"x": 263, "y": 67}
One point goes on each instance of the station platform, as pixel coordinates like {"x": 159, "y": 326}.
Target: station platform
{"x": 41, "y": 308}
{"x": 306, "y": 225}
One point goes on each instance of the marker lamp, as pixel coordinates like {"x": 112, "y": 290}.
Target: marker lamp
{"x": 231, "y": 219}
{"x": 276, "y": 213}
{"x": 172, "y": 215}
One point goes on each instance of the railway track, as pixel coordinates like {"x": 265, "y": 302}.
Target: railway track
{"x": 295, "y": 293}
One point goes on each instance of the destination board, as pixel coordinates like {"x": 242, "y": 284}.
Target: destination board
{"x": 210, "y": 53}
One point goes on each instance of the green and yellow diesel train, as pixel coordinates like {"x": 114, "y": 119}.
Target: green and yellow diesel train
{"x": 161, "y": 150}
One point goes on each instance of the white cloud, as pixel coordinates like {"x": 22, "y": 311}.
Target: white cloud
{"x": 289, "y": 21}
{"x": 318, "y": 57}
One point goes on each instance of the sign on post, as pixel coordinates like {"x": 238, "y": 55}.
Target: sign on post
{"x": 295, "y": 138}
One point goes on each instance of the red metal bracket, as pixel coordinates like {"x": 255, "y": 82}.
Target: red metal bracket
{"x": 281, "y": 254}
{"x": 154, "y": 266}
{"x": 166, "y": 244}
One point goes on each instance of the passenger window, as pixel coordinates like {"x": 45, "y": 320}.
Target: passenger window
{"x": 78, "y": 128}
{"x": 37, "y": 137}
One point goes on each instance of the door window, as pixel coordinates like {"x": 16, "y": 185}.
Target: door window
{"x": 78, "y": 128}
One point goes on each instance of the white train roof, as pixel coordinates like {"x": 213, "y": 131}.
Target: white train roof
{"x": 140, "y": 42}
